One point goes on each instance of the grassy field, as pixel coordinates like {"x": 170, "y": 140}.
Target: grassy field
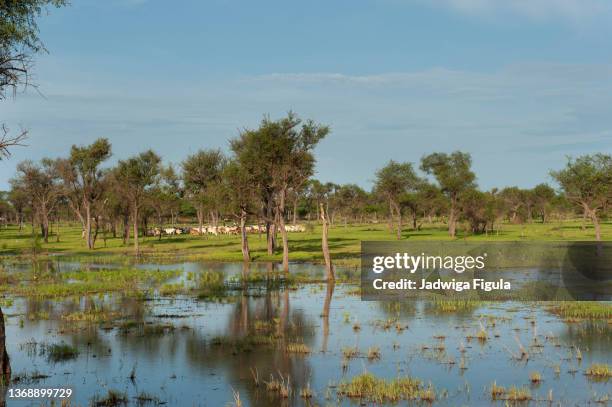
{"x": 344, "y": 241}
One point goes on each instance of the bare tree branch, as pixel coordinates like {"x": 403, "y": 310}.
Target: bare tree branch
{"x": 7, "y": 141}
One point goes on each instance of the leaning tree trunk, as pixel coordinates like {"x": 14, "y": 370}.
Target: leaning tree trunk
{"x": 329, "y": 268}
{"x": 5, "y": 363}
{"x": 593, "y": 215}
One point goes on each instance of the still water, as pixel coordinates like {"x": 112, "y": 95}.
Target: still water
{"x": 183, "y": 351}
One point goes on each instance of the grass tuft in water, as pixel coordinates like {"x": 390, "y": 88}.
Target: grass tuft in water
{"x": 599, "y": 371}
{"x": 376, "y": 390}
{"x": 59, "y": 352}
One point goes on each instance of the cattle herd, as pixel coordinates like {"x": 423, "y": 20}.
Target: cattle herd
{"x": 216, "y": 230}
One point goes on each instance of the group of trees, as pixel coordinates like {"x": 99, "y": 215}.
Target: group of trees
{"x": 267, "y": 179}
{"x": 268, "y": 167}
{"x": 448, "y": 189}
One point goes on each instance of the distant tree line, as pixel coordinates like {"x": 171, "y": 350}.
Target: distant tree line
{"x": 267, "y": 179}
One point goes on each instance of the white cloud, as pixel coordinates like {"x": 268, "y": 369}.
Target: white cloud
{"x": 518, "y": 122}
{"x": 571, "y": 10}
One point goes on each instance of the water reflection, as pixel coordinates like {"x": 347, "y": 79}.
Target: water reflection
{"x": 189, "y": 351}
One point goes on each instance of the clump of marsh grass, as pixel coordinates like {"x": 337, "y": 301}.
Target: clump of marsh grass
{"x": 298, "y": 348}
{"x": 280, "y": 386}
{"x": 112, "y": 398}
{"x": 599, "y": 371}
{"x": 535, "y": 377}
{"x": 59, "y": 352}
{"x": 376, "y": 390}
{"x": 306, "y": 392}
{"x": 497, "y": 392}
{"x": 578, "y": 310}
{"x": 518, "y": 394}
{"x": 578, "y": 353}
{"x": 513, "y": 394}
{"x": 482, "y": 335}
{"x": 350, "y": 352}
{"x": 145, "y": 398}
{"x": 374, "y": 353}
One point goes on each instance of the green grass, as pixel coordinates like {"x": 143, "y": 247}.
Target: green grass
{"x": 599, "y": 370}
{"x": 59, "y": 352}
{"x": 344, "y": 242}
{"x": 83, "y": 282}
{"x": 577, "y": 310}
{"x": 376, "y": 390}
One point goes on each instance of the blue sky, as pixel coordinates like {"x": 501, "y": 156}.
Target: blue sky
{"x": 520, "y": 84}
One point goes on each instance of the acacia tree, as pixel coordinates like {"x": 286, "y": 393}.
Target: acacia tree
{"x": 278, "y": 156}
{"x": 515, "y": 199}
{"x": 393, "y": 181}
{"x": 202, "y": 180}
{"x": 240, "y": 196}
{"x": 542, "y": 197}
{"x": 82, "y": 177}
{"x": 164, "y": 197}
{"x": 116, "y": 208}
{"x": 454, "y": 175}
{"x": 587, "y": 182}
{"x": 136, "y": 175}
{"x": 41, "y": 183}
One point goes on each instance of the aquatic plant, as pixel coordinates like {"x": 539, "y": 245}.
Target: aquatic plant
{"x": 350, "y": 352}
{"x": 376, "y": 390}
{"x": 298, "y": 348}
{"x": 112, "y": 398}
{"x": 59, "y": 352}
{"x": 599, "y": 371}
{"x": 535, "y": 377}
{"x": 374, "y": 353}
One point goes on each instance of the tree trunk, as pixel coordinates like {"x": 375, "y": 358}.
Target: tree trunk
{"x": 126, "y": 229}
{"x": 398, "y": 212}
{"x": 246, "y": 256}
{"x": 159, "y": 222}
{"x": 325, "y": 314}
{"x": 5, "y": 363}
{"x": 270, "y": 237}
{"x": 329, "y": 268}
{"x": 593, "y": 215}
{"x": 452, "y": 220}
{"x": 200, "y": 215}
{"x": 295, "y": 204}
{"x": 283, "y": 231}
{"x": 135, "y": 220}
{"x": 90, "y": 244}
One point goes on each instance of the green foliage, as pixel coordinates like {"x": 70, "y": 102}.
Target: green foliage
{"x": 19, "y": 39}
{"x": 587, "y": 180}
{"x": 452, "y": 171}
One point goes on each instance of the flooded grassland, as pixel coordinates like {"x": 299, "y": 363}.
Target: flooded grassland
{"x": 215, "y": 334}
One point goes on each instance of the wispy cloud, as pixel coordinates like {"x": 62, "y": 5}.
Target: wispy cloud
{"x": 518, "y": 122}
{"x": 571, "y": 10}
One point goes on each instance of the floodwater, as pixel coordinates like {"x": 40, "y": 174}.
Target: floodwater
{"x": 184, "y": 351}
